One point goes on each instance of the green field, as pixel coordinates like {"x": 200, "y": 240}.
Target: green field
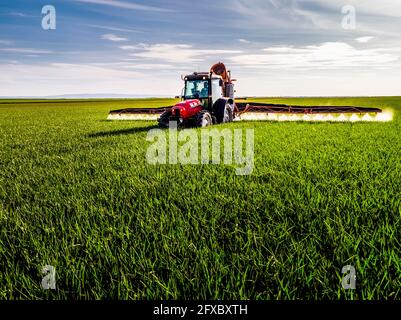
{"x": 77, "y": 193}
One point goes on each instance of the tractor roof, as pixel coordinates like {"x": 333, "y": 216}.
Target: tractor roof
{"x": 200, "y": 76}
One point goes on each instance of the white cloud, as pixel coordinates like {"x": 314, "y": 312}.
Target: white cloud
{"x": 20, "y": 79}
{"x": 63, "y": 72}
{"x": 134, "y": 47}
{"x": 150, "y": 66}
{"x": 84, "y": 71}
{"x": 113, "y": 37}
{"x": 324, "y": 56}
{"x": 112, "y": 28}
{"x": 243, "y": 41}
{"x": 133, "y": 64}
{"x": 23, "y": 79}
{"x": 175, "y": 53}
{"x": 25, "y": 51}
{"x": 125, "y": 5}
{"x": 18, "y": 14}
{"x": 317, "y": 83}
{"x": 364, "y": 39}
{"x": 272, "y": 14}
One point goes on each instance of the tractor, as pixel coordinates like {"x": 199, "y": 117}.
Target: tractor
{"x": 208, "y": 98}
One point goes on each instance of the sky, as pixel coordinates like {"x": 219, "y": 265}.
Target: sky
{"x": 272, "y": 47}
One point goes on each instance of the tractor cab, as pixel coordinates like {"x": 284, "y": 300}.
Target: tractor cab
{"x": 211, "y": 88}
{"x": 205, "y": 87}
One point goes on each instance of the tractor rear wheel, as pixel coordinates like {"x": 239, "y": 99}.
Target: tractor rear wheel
{"x": 224, "y": 111}
{"x": 228, "y": 113}
{"x": 164, "y": 119}
{"x": 203, "y": 119}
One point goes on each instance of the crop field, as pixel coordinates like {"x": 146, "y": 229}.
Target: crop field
{"x": 77, "y": 193}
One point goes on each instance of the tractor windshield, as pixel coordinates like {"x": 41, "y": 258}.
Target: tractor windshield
{"x": 196, "y": 89}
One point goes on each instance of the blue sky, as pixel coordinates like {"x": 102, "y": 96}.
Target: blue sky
{"x": 273, "y": 47}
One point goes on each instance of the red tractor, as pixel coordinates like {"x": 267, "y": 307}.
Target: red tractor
{"x": 208, "y": 98}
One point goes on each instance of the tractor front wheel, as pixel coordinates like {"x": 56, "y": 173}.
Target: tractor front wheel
{"x": 203, "y": 119}
{"x": 164, "y": 119}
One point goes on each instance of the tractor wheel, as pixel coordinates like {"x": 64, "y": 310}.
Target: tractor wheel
{"x": 203, "y": 119}
{"x": 228, "y": 113}
{"x": 164, "y": 119}
{"x": 224, "y": 111}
